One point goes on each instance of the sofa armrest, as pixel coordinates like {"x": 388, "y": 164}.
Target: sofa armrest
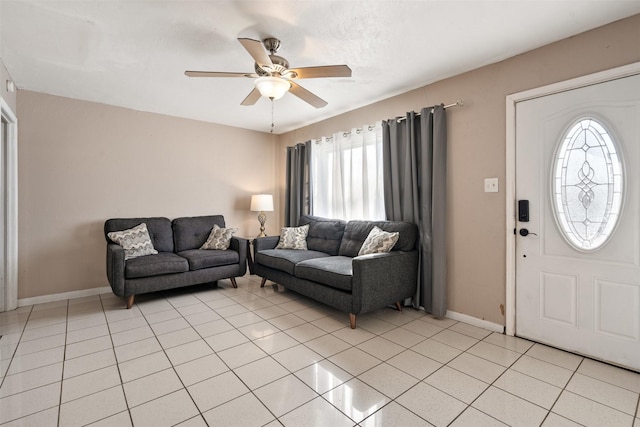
{"x": 382, "y": 279}
{"x": 115, "y": 268}
{"x": 262, "y": 243}
{"x": 240, "y": 245}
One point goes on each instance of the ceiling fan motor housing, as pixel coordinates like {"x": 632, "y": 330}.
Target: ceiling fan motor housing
{"x": 271, "y": 44}
{"x": 280, "y": 66}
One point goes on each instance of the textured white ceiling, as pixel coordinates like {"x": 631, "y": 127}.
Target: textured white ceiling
{"x": 134, "y": 53}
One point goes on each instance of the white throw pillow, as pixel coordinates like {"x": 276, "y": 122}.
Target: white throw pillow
{"x": 135, "y": 241}
{"x": 379, "y": 241}
{"x": 219, "y": 238}
{"x": 293, "y": 237}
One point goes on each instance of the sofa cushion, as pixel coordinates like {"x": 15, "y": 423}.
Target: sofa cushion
{"x": 324, "y": 234}
{"x": 159, "y": 230}
{"x": 205, "y": 258}
{"x": 135, "y": 241}
{"x": 334, "y": 271}
{"x": 293, "y": 238}
{"x": 285, "y": 259}
{"x": 155, "y": 265}
{"x": 356, "y": 232}
{"x": 192, "y": 232}
{"x": 219, "y": 238}
{"x": 378, "y": 241}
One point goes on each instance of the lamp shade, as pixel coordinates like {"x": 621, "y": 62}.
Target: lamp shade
{"x": 272, "y": 87}
{"x": 262, "y": 202}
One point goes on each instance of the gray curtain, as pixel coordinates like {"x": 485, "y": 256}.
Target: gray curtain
{"x": 415, "y": 159}
{"x": 297, "y": 188}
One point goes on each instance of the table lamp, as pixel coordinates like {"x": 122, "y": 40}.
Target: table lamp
{"x": 262, "y": 203}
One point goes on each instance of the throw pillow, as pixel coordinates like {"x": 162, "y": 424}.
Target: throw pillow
{"x": 379, "y": 241}
{"x": 293, "y": 237}
{"x": 219, "y": 238}
{"x": 135, "y": 241}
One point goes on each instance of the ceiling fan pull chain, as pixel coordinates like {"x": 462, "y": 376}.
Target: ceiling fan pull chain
{"x": 272, "y": 124}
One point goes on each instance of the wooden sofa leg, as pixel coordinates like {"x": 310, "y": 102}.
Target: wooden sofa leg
{"x": 352, "y": 320}
{"x": 398, "y": 305}
{"x": 130, "y": 301}
{"x": 264, "y": 280}
{"x": 233, "y": 282}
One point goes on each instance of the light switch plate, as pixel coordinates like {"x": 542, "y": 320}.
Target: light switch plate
{"x": 491, "y": 185}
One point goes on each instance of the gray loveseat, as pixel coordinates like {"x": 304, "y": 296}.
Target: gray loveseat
{"x": 179, "y": 261}
{"x": 330, "y": 270}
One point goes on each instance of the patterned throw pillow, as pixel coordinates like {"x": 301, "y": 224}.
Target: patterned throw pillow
{"x": 219, "y": 239}
{"x": 378, "y": 242}
{"x": 135, "y": 241}
{"x": 293, "y": 237}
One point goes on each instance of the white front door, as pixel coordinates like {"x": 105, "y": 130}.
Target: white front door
{"x": 578, "y": 270}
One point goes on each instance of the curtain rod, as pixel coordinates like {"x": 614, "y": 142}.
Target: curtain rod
{"x": 455, "y": 104}
{"x": 359, "y": 130}
{"x": 344, "y": 134}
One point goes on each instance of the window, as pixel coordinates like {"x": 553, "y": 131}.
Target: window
{"x": 588, "y": 184}
{"x": 346, "y": 175}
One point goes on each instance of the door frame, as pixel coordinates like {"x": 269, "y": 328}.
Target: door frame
{"x": 510, "y": 151}
{"x": 11, "y": 208}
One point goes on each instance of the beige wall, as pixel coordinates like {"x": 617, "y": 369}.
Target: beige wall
{"x": 81, "y": 163}
{"x": 10, "y": 98}
{"x": 476, "y": 227}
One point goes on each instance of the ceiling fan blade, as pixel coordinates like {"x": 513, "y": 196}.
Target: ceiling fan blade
{"x": 257, "y": 51}
{"x": 307, "y": 96}
{"x": 218, "y": 74}
{"x": 322, "y": 71}
{"x": 252, "y": 98}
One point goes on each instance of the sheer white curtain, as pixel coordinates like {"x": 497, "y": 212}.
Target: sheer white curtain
{"x": 346, "y": 175}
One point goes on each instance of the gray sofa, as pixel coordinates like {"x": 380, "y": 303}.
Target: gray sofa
{"x": 178, "y": 263}
{"x": 330, "y": 270}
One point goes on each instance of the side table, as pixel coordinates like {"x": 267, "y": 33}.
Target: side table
{"x": 249, "y": 253}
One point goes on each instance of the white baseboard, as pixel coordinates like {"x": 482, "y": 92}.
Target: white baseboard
{"x": 485, "y": 324}
{"x": 64, "y": 295}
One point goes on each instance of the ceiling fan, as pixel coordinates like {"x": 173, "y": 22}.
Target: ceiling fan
{"x": 273, "y": 76}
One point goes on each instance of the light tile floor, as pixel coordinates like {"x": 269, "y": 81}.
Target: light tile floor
{"x": 268, "y": 357}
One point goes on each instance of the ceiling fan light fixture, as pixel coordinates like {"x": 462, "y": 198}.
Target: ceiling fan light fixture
{"x": 272, "y": 87}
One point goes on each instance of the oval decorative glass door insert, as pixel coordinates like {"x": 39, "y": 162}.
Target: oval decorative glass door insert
{"x": 588, "y": 183}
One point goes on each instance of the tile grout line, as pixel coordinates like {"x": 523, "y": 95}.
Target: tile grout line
{"x": 422, "y": 380}
{"x": 564, "y": 388}
{"x": 13, "y": 355}
{"x": 575, "y": 372}
{"x": 321, "y": 395}
{"x": 272, "y": 358}
{"x": 229, "y": 369}
{"x": 113, "y": 349}
{"x": 214, "y": 352}
{"x": 470, "y": 405}
{"x": 64, "y": 358}
{"x": 373, "y": 367}
{"x": 173, "y": 367}
{"x": 292, "y": 373}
